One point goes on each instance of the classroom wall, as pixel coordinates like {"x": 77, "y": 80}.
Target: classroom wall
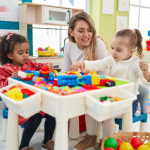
{"x": 105, "y": 24}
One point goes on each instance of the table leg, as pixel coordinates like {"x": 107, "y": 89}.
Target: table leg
{"x": 127, "y": 120}
{"x": 74, "y": 128}
{"x": 99, "y": 130}
{"x": 12, "y": 141}
{"x": 61, "y": 137}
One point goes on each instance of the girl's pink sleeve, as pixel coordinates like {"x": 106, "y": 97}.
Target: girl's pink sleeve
{"x": 4, "y": 78}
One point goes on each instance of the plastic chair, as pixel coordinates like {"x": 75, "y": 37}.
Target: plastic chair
{"x": 137, "y": 117}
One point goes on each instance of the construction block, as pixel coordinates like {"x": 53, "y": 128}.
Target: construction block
{"x": 95, "y": 80}
{"x": 69, "y": 80}
{"x": 110, "y": 83}
{"x": 90, "y": 87}
{"x": 87, "y": 79}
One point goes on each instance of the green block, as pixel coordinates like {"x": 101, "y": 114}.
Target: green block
{"x": 25, "y": 95}
{"x": 110, "y": 99}
{"x": 81, "y": 84}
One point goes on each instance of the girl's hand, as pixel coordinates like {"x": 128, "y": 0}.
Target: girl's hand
{"x": 143, "y": 66}
{"x": 78, "y": 65}
{"x": 50, "y": 66}
{"x": 15, "y": 74}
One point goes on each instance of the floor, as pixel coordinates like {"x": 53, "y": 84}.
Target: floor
{"x": 38, "y": 136}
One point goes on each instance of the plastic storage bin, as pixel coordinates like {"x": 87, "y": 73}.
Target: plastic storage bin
{"x": 101, "y": 111}
{"x": 26, "y": 107}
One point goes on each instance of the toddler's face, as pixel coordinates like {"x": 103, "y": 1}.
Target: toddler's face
{"x": 20, "y": 54}
{"x": 119, "y": 49}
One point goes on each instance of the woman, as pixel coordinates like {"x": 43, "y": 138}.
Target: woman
{"x": 85, "y": 45}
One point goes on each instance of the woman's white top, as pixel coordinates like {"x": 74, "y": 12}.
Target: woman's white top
{"x": 126, "y": 69}
{"x": 73, "y": 54}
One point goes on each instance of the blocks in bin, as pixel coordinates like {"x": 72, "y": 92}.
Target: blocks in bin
{"x": 70, "y": 80}
{"x": 15, "y": 94}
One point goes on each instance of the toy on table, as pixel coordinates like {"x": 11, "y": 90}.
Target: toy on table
{"x": 53, "y": 81}
{"x": 27, "y": 75}
{"x": 18, "y": 93}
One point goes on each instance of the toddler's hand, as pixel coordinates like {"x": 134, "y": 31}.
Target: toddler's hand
{"x": 15, "y": 74}
{"x": 143, "y": 66}
{"x": 50, "y": 66}
{"x": 78, "y": 65}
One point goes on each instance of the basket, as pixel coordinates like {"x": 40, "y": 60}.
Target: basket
{"x": 46, "y": 53}
{"x": 127, "y": 136}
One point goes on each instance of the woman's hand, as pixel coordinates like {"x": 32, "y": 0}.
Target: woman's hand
{"x": 14, "y": 74}
{"x": 50, "y": 66}
{"x": 78, "y": 65}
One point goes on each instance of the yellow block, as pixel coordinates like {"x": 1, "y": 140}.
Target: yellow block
{"x": 15, "y": 94}
{"x": 94, "y": 80}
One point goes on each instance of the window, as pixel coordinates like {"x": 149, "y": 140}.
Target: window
{"x": 139, "y": 17}
{"x": 53, "y": 36}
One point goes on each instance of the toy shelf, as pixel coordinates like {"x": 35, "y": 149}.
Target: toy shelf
{"x": 38, "y": 14}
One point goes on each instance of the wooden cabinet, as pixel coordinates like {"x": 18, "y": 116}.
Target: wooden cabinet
{"x": 38, "y": 14}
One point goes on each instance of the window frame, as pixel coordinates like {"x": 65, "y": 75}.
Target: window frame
{"x": 139, "y": 6}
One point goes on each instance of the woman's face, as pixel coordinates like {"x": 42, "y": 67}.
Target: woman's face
{"x": 82, "y": 34}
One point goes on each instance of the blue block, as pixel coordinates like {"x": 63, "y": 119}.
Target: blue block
{"x": 36, "y": 73}
{"x": 69, "y": 80}
{"x": 0, "y": 99}
{"x": 5, "y": 113}
{"x": 87, "y": 79}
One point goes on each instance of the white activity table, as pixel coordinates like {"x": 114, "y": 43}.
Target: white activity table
{"x": 62, "y": 108}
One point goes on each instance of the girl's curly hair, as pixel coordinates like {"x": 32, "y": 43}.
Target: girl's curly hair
{"x": 7, "y": 46}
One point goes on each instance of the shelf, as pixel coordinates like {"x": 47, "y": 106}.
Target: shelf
{"x": 46, "y": 24}
{"x": 36, "y": 5}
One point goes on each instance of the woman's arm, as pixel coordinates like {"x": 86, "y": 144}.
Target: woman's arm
{"x": 66, "y": 60}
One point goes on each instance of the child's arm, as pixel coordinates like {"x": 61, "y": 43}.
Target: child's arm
{"x": 97, "y": 65}
{"x": 144, "y": 68}
{"x": 139, "y": 73}
{"x": 38, "y": 66}
{"x": 4, "y": 78}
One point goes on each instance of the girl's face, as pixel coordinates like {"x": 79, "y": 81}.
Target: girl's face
{"x": 119, "y": 49}
{"x": 20, "y": 54}
{"x": 82, "y": 34}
